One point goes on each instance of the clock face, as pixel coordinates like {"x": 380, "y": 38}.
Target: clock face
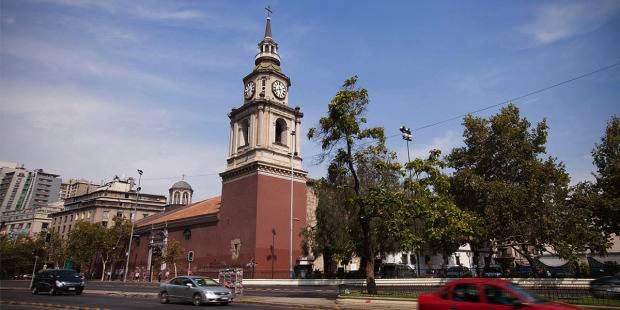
{"x": 249, "y": 90}
{"x": 279, "y": 89}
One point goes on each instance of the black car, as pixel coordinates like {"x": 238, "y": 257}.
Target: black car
{"x": 391, "y": 270}
{"x": 606, "y": 287}
{"x": 57, "y": 281}
{"x": 458, "y": 272}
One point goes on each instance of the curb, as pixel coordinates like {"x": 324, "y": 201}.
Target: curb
{"x": 46, "y": 305}
{"x": 283, "y": 304}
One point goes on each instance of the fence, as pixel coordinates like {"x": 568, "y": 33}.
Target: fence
{"x": 575, "y": 291}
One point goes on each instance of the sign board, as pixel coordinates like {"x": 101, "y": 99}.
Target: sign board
{"x": 190, "y": 256}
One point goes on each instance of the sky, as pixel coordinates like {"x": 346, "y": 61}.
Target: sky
{"x": 92, "y": 89}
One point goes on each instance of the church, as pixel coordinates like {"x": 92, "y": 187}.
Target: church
{"x": 266, "y": 200}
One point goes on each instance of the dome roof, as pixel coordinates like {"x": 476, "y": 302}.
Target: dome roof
{"x": 181, "y": 185}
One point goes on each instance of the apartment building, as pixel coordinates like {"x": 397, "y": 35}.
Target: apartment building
{"x": 116, "y": 198}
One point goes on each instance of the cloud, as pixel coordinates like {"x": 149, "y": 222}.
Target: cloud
{"x": 564, "y": 19}
{"x": 80, "y": 136}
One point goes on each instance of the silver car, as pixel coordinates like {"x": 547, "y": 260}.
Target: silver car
{"x": 195, "y": 289}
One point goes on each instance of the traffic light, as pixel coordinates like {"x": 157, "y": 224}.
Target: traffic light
{"x": 34, "y": 252}
{"x": 190, "y": 256}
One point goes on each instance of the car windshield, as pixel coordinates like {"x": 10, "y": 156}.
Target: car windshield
{"x": 526, "y": 295}
{"x": 67, "y": 275}
{"x": 206, "y": 282}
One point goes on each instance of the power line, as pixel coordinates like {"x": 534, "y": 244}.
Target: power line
{"x": 519, "y": 97}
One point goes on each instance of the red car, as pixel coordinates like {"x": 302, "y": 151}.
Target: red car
{"x": 486, "y": 294}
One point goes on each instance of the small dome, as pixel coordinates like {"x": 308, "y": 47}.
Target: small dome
{"x": 181, "y": 185}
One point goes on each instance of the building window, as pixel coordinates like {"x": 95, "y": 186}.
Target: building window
{"x": 187, "y": 234}
{"x": 106, "y": 215}
{"x": 185, "y": 198}
{"x": 44, "y": 225}
{"x": 119, "y": 214}
{"x": 244, "y": 133}
{"x": 144, "y": 215}
{"x": 177, "y": 199}
{"x": 280, "y": 136}
{"x": 104, "y": 224}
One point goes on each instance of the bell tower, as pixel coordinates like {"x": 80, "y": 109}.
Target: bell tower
{"x": 264, "y": 179}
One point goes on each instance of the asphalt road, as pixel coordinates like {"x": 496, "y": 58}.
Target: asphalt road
{"x": 330, "y": 292}
{"x": 109, "y": 302}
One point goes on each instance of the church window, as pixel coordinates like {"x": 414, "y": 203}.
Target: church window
{"x": 177, "y": 198}
{"x": 187, "y": 234}
{"x": 280, "y": 136}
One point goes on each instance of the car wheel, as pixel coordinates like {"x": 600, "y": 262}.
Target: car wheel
{"x": 35, "y": 290}
{"x": 197, "y": 299}
{"x": 163, "y": 298}
{"x": 53, "y": 291}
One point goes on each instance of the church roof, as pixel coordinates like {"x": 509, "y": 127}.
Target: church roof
{"x": 181, "y": 185}
{"x": 206, "y": 207}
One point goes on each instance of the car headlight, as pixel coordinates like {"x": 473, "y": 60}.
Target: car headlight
{"x": 60, "y": 283}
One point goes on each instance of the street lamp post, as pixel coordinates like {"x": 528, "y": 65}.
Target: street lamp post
{"x": 290, "y": 253}
{"x": 406, "y": 134}
{"x": 133, "y": 218}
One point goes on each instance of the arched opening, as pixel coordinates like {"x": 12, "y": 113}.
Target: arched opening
{"x": 177, "y": 198}
{"x": 185, "y": 198}
{"x": 280, "y": 136}
{"x": 244, "y": 133}
{"x": 187, "y": 234}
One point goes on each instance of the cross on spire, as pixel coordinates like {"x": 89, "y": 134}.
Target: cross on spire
{"x": 183, "y": 177}
{"x": 269, "y": 11}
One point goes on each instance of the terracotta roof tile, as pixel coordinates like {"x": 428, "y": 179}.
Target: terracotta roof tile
{"x": 209, "y": 206}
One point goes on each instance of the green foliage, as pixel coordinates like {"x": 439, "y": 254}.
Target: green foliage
{"x": 429, "y": 216}
{"x": 16, "y": 257}
{"x": 501, "y": 175}
{"x": 172, "y": 252}
{"x": 606, "y": 157}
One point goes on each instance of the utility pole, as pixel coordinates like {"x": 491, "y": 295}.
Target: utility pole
{"x": 406, "y": 134}
{"x": 133, "y": 219}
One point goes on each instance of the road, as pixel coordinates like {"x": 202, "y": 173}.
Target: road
{"x": 330, "y": 292}
{"x": 107, "y": 302}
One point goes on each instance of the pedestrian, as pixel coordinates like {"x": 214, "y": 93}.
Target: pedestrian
{"x": 167, "y": 274}
{"x": 159, "y": 276}
{"x": 137, "y": 276}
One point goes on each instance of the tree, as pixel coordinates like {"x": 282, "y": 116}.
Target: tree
{"x": 113, "y": 242}
{"x": 502, "y": 176}
{"x": 606, "y": 157}
{"x": 16, "y": 257}
{"x": 342, "y": 137}
{"x": 171, "y": 254}
{"x": 85, "y": 243}
{"x": 431, "y": 210}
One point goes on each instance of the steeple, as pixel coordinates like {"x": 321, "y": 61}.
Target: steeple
{"x": 267, "y": 49}
{"x": 268, "y": 28}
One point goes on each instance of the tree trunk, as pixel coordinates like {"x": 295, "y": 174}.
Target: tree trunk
{"x": 103, "y": 262}
{"x": 444, "y": 266}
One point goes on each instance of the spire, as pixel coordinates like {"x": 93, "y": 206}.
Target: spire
{"x": 268, "y": 28}
{"x": 268, "y": 48}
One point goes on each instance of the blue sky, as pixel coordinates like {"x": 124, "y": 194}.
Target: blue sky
{"x": 93, "y": 89}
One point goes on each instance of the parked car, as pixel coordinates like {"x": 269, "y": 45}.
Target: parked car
{"x": 57, "y": 281}
{"x": 390, "y": 271}
{"x": 524, "y": 272}
{"x": 458, "y": 272}
{"x": 491, "y": 294}
{"x": 492, "y": 272}
{"x": 195, "y": 289}
{"x": 606, "y": 287}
